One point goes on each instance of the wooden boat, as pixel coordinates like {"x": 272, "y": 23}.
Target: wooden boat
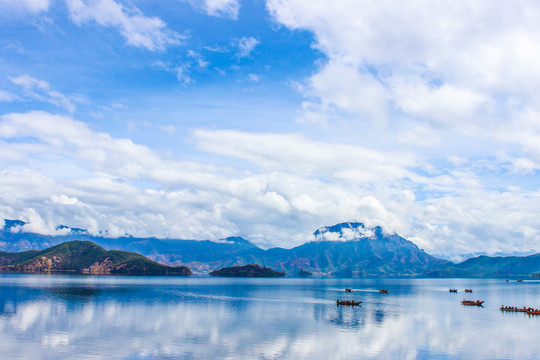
{"x": 468, "y": 290}
{"x": 348, "y": 290}
{"x": 452, "y": 290}
{"x": 533, "y": 312}
{"x": 383, "y": 291}
{"x": 514, "y": 309}
{"x": 473, "y": 303}
{"x": 347, "y": 302}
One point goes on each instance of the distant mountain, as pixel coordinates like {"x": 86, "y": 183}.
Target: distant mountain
{"x": 343, "y": 250}
{"x": 200, "y": 255}
{"x": 85, "y": 257}
{"x": 354, "y": 250}
{"x": 250, "y": 270}
{"x": 348, "y": 249}
{"x": 485, "y": 266}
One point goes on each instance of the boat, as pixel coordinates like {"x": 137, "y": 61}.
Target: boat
{"x": 533, "y": 312}
{"x": 383, "y": 291}
{"x": 514, "y": 309}
{"x": 468, "y": 290}
{"x": 348, "y": 290}
{"x": 347, "y": 302}
{"x": 520, "y": 281}
{"x": 473, "y": 303}
{"x": 452, "y": 290}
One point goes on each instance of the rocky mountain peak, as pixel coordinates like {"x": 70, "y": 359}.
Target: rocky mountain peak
{"x": 347, "y": 231}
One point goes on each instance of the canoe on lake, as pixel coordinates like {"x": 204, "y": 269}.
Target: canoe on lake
{"x": 473, "y": 303}
{"x": 347, "y": 302}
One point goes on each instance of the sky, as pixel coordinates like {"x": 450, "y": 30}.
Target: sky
{"x": 203, "y": 119}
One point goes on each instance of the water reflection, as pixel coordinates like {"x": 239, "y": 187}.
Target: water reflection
{"x": 140, "y": 318}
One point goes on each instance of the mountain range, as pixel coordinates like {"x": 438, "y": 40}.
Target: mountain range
{"x": 344, "y": 250}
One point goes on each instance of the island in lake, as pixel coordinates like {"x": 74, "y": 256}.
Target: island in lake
{"x": 251, "y": 270}
{"x": 85, "y": 257}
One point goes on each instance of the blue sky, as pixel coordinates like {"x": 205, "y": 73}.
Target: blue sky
{"x": 268, "y": 119}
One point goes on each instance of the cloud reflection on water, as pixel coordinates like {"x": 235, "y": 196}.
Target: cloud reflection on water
{"x": 94, "y": 322}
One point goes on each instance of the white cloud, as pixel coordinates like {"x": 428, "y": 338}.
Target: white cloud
{"x": 220, "y": 8}
{"x": 456, "y": 64}
{"x": 168, "y": 128}
{"x": 246, "y": 46}
{"x": 342, "y": 86}
{"x": 198, "y": 58}
{"x": 139, "y": 30}
{"x": 420, "y": 136}
{"x": 41, "y": 91}
{"x": 296, "y": 185}
{"x": 254, "y": 77}
{"x": 64, "y": 199}
{"x": 33, "y": 6}
{"x": 294, "y": 153}
{"x": 6, "y": 96}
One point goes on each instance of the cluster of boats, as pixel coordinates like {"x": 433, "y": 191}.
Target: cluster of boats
{"x": 528, "y": 310}
{"x": 352, "y": 302}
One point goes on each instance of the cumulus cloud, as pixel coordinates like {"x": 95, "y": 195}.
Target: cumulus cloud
{"x": 246, "y": 46}
{"x": 119, "y": 157}
{"x": 138, "y": 30}
{"x": 295, "y": 184}
{"x": 187, "y": 199}
{"x": 41, "y": 90}
{"x": 452, "y": 64}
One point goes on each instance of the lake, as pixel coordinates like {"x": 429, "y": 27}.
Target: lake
{"x": 114, "y": 317}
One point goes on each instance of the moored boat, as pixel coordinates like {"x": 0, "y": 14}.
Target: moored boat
{"x": 514, "y": 309}
{"x": 473, "y": 303}
{"x": 533, "y": 312}
{"x": 347, "y": 302}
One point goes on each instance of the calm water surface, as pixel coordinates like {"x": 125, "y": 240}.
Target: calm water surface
{"x": 99, "y": 317}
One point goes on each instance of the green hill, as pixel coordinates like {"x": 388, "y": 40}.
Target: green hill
{"x": 87, "y": 258}
{"x": 250, "y": 270}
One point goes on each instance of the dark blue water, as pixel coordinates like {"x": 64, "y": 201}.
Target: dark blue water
{"x": 93, "y": 317}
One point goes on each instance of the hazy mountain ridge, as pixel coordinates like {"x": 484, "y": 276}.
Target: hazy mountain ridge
{"x": 348, "y": 249}
{"x": 484, "y": 266}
